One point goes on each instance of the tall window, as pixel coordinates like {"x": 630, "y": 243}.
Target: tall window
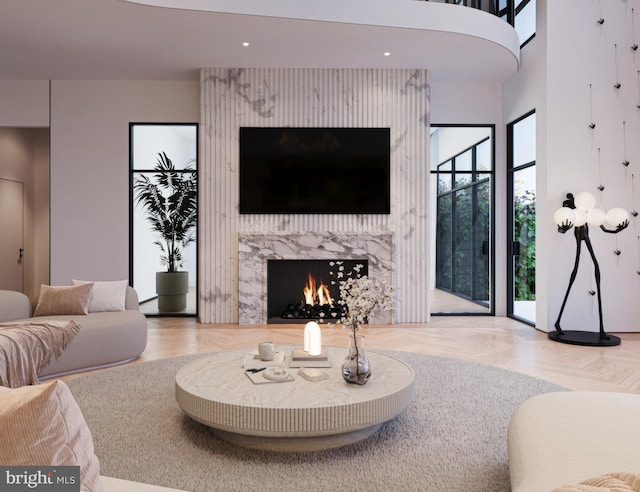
{"x": 521, "y": 268}
{"x": 462, "y": 164}
{"x": 163, "y": 224}
{"x": 521, "y": 14}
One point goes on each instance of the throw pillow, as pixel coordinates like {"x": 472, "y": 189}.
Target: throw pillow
{"x": 106, "y": 296}
{"x": 66, "y": 299}
{"x": 609, "y": 482}
{"x": 42, "y": 425}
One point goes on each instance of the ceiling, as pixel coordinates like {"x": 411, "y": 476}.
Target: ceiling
{"x": 126, "y": 40}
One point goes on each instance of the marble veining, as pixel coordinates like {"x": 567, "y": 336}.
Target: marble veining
{"x": 261, "y": 101}
{"x": 236, "y": 97}
{"x": 255, "y": 249}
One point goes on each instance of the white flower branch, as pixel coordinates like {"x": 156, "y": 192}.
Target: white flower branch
{"x": 363, "y": 297}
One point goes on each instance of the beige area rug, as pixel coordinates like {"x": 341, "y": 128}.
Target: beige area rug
{"x": 451, "y": 438}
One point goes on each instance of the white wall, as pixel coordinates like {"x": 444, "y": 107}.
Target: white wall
{"x": 90, "y": 168}
{"x": 576, "y": 58}
{"x": 557, "y": 68}
{"x": 24, "y": 103}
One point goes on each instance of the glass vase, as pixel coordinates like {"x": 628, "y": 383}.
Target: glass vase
{"x": 356, "y": 368}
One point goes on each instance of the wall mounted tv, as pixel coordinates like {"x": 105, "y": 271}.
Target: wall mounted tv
{"x": 314, "y": 170}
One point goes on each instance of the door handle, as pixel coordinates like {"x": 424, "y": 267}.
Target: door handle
{"x": 20, "y": 255}
{"x": 515, "y": 247}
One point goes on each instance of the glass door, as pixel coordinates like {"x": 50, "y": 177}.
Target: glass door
{"x": 521, "y": 268}
{"x": 462, "y": 162}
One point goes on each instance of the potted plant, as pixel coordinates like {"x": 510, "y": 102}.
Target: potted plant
{"x": 169, "y": 200}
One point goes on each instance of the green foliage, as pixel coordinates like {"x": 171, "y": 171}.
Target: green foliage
{"x": 465, "y": 250}
{"x": 459, "y": 239}
{"x": 525, "y": 233}
{"x": 170, "y": 200}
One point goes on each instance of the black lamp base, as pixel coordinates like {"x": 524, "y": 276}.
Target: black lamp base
{"x": 589, "y": 338}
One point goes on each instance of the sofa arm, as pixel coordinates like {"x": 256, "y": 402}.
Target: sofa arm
{"x": 562, "y": 438}
{"x": 131, "y": 299}
{"x": 14, "y": 305}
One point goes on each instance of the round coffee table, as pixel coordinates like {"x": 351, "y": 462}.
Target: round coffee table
{"x": 299, "y": 415}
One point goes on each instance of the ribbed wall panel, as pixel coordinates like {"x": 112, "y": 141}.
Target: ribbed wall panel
{"x": 231, "y": 98}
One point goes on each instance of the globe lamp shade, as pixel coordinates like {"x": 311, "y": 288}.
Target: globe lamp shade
{"x": 617, "y": 216}
{"x": 584, "y": 201}
{"x": 581, "y": 218}
{"x": 596, "y": 217}
{"x": 564, "y": 215}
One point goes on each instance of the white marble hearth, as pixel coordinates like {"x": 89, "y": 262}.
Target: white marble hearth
{"x": 256, "y": 248}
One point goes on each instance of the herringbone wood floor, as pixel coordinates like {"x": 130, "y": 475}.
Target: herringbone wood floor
{"x": 500, "y": 342}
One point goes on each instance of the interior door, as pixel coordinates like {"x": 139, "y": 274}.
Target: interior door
{"x": 11, "y": 235}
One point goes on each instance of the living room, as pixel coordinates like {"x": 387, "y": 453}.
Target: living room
{"x": 69, "y": 108}
{"x": 567, "y": 73}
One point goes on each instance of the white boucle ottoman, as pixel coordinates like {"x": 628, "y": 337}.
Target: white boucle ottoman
{"x": 557, "y": 439}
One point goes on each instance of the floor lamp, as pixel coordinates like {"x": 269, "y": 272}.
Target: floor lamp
{"x": 579, "y": 212}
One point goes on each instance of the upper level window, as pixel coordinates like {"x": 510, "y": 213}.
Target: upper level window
{"x": 525, "y": 20}
{"x": 521, "y": 14}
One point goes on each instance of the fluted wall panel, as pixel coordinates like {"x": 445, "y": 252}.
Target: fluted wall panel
{"x": 231, "y": 98}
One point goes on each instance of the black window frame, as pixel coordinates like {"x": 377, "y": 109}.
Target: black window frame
{"x": 491, "y": 178}
{"x": 132, "y": 173}
{"x": 511, "y": 214}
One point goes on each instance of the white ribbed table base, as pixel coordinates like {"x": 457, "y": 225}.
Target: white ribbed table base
{"x": 293, "y": 416}
{"x": 296, "y": 444}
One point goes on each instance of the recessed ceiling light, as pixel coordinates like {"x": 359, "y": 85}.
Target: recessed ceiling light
{"x": 245, "y": 44}
{"x": 386, "y": 53}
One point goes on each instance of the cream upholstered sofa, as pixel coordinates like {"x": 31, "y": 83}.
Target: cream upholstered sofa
{"x": 42, "y": 425}
{"x": 564, "y": 438}
{"x": 105, "y": 338}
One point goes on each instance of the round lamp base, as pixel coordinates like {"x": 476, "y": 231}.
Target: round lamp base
{"x": 589, "y": 338}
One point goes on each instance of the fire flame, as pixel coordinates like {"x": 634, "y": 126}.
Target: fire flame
{"x": 316, "y": 295}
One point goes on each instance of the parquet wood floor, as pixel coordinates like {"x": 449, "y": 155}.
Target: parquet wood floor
{"x": 496, "y": 341}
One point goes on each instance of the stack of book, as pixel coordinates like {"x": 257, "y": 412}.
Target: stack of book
{"x": 300, "y": 358}
{"x": 252, "y": 361}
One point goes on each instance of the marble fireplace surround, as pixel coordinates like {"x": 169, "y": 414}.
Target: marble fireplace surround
{"x": 256, "y": 248}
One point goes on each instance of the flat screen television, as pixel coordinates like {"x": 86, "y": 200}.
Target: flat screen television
{"x": 286, "y": 170}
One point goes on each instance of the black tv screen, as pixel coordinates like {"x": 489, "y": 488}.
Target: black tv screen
{"x": 314, "y": 170}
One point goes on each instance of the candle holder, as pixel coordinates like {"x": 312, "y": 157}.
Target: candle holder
{"x": 313, "y": 354}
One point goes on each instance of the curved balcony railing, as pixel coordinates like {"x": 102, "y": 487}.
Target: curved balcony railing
{"x": 519, "y": 13}
{"x": 490, "y": 6}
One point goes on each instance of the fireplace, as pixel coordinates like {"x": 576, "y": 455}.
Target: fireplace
{"x": 304, "y": 290}
{"x": 256, "y": 249}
